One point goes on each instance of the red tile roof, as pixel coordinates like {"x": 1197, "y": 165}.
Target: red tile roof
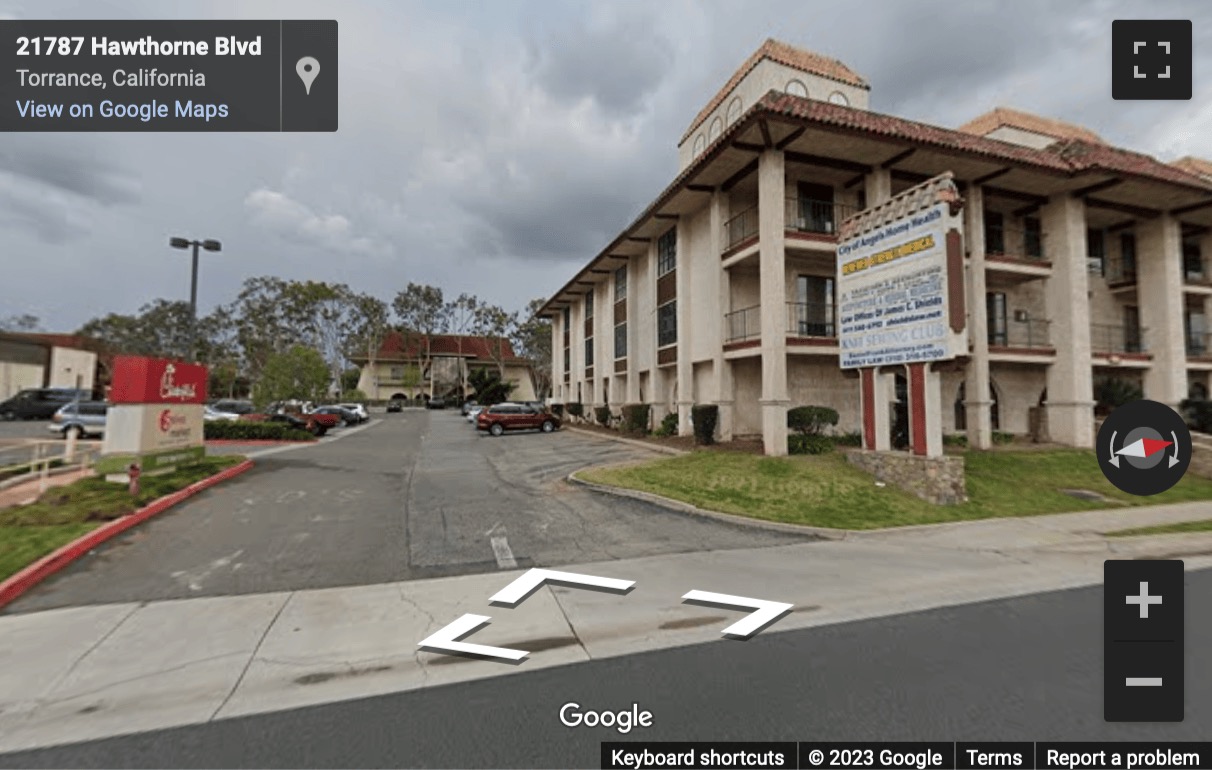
{"x": 790, "y": 56}
{"x": 398, "y": 346}
{"x": 76, "y": 341}
{"x": 1004, "y": 116}
{"x": 1193, "y": 165}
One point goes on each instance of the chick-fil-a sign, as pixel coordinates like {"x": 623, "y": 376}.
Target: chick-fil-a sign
{"x": 143, "y": 380}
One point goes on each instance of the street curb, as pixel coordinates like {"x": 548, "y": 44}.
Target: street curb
{"x": 727, "y": 518}
{"x": 633, "y": 442}
{"x": 12, "y": 588}
{"x": 253, "y": 442}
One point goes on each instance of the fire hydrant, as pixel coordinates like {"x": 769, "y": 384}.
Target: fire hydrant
{"x": 133, "y": 473}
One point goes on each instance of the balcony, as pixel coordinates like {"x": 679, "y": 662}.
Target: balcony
{"x": 1028, "y": 334}
{"x": 809, "y": 217}
{"x": 743, "y": 326}
{"x": 811, "y": 319}
{"x": 1014, "y": 244}
{"x": 740, "y": 231}
{"x": 1118, "y": 343}
{"x": 1120, "y": 274}
{"x": 1199, "y": 345}
{"x": 1196, "y": 276}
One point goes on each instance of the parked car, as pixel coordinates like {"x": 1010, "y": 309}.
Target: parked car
{"x": 473, "y": 413}
{"x": 395, "y": 405}
{"x": 499, "y": 418}
{"x": 83, "y": 418}
{"x": 234, "y": 406}
{"x": 468, "y": 406}
{"x": 211, "y": 414}
{"x": 436, "y": 403}
{"x": 357, "y": 409}
{"x": 39, "y": 403}
{"x": 345, "y": 416}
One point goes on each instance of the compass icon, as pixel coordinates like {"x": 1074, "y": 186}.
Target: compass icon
{"x": 1144, "y": 447}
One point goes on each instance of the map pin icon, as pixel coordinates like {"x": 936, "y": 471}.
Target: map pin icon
{"x": 308, "y": 68}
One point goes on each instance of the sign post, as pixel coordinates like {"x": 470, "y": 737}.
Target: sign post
{"x": 154, "y": 422}
{"x": 900, "y": 286}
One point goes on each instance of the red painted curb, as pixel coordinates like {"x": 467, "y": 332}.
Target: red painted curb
{"x": 254, "y": 442}
{"x": 18, "y": 584}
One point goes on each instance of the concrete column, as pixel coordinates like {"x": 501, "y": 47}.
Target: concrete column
{"x": 631, "y": 394}
{"x": 1159, "y": 285}
{"x": 977, "y": 403}
{"x": 925, "y": 411}
{"x": 576, "y": 358}
{"x": 878, "y": 185}
{"x": 557, "y": 356}
{"x": 1070, "y": 404}
{"x": 771, "y": 211}
{"x": 685, "y": 394}
{"x": 875, "y": 396}
{"x": 658, "y": 380}
{"x": 721, "y": 367}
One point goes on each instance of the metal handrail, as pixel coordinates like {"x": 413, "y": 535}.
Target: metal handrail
{"x": 809, "y": 215}
{"x": 743, "y": 324}
{"x": 1117, "y": 338}
{"x": 1030, "y": 333}
{"x": 811, "y": 319}
{"x": 741, "y": 227}
{"x": 1016, "y": 242}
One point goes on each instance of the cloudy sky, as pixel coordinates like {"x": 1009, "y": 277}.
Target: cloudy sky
{"x": 493, "y": 147}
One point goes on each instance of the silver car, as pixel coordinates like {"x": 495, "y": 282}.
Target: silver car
{"x": 83, "y": 418}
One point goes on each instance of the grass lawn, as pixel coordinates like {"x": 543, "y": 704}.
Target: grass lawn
{"x": 826, "y": 491}
{"x": 62, "y": 514}
{"x": 1166, "y": 529}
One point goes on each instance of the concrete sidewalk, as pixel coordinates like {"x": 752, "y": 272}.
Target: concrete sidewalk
{"x": 90, "y": 672}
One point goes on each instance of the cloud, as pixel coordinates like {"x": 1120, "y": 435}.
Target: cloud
{"x": 295, "y": 222}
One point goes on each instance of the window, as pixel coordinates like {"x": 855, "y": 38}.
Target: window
{"x": 667, "y": 252}
{"x": 813, "y": 311}
{"x": 1132, "y": 343}
{"x": 1033, "y": 241}
{"x": 815, "y": 208}
{"x": 995, "y": 233}
{"x": 734, "y": 111}
{"x": 620, "y": 341}
{"x": 397, "y": 373}
{"x": 861, "y": 199}
{"x": 667, "y": 324}
{"x": 1127, "y": 255}
{"x": 700, "y": 144}
{"x": 717, "y": 127}
{"x": 589, "y": 304}
{"x": 837, "y": 97}
{"x": 620, "y": 283}
{"x": 1193, "y": 264}
{"x": 589, "y": 351}
{"x": 796, "y": 88}
{"x": 567, "y": 360}
{"x": 567, "y": 319}
{"x": 1096, "y": 253}
{"x": 995, "y": 311}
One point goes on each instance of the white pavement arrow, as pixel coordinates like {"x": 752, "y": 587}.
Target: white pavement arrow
{"x": 447, "y": 640}
{"x": 1174, "y": 435}
{"x": 1114, "y": 456}
{"x": 766, "y": 612}
{"x": 516, "y": 592}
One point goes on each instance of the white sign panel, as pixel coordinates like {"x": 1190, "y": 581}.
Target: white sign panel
{"x": 892, "y": 292}
{"x": 142, "y": 428}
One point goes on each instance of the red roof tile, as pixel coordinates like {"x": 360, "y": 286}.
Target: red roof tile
{"x": 401, "y": 347}
{"x": 1193, "y": 165}
{"x": 788, "y": 55}
{"x": 1004, "y": 116}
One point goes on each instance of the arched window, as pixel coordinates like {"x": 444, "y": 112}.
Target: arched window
{"x": 734, "y": 111}
{"x": 700, "y": 144}
{"x": 837, "y": 97}
{"x": 717, "y": 126}
{"x": 961, "y": 414}
{"x": 797, "y": 88}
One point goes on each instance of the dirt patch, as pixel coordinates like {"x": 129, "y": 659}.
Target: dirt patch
{"x": 325, "y": 676}
{"x": 670, "y": 625}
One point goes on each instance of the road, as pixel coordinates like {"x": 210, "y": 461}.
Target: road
{"x": 419, "y": 495}
{"x": 1021, "y": 669}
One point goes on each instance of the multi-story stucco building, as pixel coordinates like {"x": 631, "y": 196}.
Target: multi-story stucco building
{"x": 1084, "y": 262}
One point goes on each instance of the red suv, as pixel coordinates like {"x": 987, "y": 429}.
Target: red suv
{"x": 499, "y": 418}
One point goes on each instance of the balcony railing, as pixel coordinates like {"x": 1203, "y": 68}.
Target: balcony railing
{"x": 1120, "y": 272}
{"x": 743, "y": 324}
{"x": 1116, "y": 338}
{"x": 1196, "y": 273}
{"x": 1199, "y": 344}
{"x": 811, "y": 319}
{"x": 1032, "y": 333}
{"x": 740, "y": 228}
{"x": 806, "y": 215}
{"x": 1014, "y": 242}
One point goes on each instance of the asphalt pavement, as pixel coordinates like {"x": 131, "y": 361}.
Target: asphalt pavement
{"x": 418, "y": 495}
{"x": 1027, "y": 669}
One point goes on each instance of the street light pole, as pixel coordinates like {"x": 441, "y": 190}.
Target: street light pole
{"x": 209, "y": 245}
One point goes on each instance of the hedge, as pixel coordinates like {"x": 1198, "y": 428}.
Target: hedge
{"x": 254, "y": 431}
{"x": 669, "y": 425}
{"x": 575, "y": 409}
{"x": 602, "y": 413}
{"x": 635, "y": 419}
{"x": 809, "y": 444}
{"x": 705, "y": 417}
{"x": 811, "y": 420}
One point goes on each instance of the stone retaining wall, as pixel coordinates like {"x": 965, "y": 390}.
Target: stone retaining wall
{"x": 938, "y": 480}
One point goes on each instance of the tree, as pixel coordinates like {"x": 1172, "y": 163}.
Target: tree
{"x": 324, "y": 314}
{"x": 462, "y": 315}
{"x": 489, "y": 387}
{"x": 21, "y": 323}
{"x": 422, "y": 313}
{"x": 161, "y": 328}
{"x": 498, "y": 326}
{"x": 532, "y": 340}
{"x": 371, "y": 322}
{"x": 299, "y": 373}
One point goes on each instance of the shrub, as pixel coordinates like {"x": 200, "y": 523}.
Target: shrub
{"x": 253, "y": 431}
{"x": 809, "y": 444}
{"x": 635, "y": 419}
{"x": 669, "y": 425}
{"x": 575, "y": 409}
{"x": 853, "y": 438}
{"x": 1002, "y": 437}
{"x": 811, "y": 420}
{"x": 955, "y": 439}
{"x": 704, "y": 417}
{"x": 557, "y": 410}
{"x": 354, "y": 396}
{"x": 602, "y": 413}
{"x": 1198, "y": 414}
{"x": 1115, "y": 392}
